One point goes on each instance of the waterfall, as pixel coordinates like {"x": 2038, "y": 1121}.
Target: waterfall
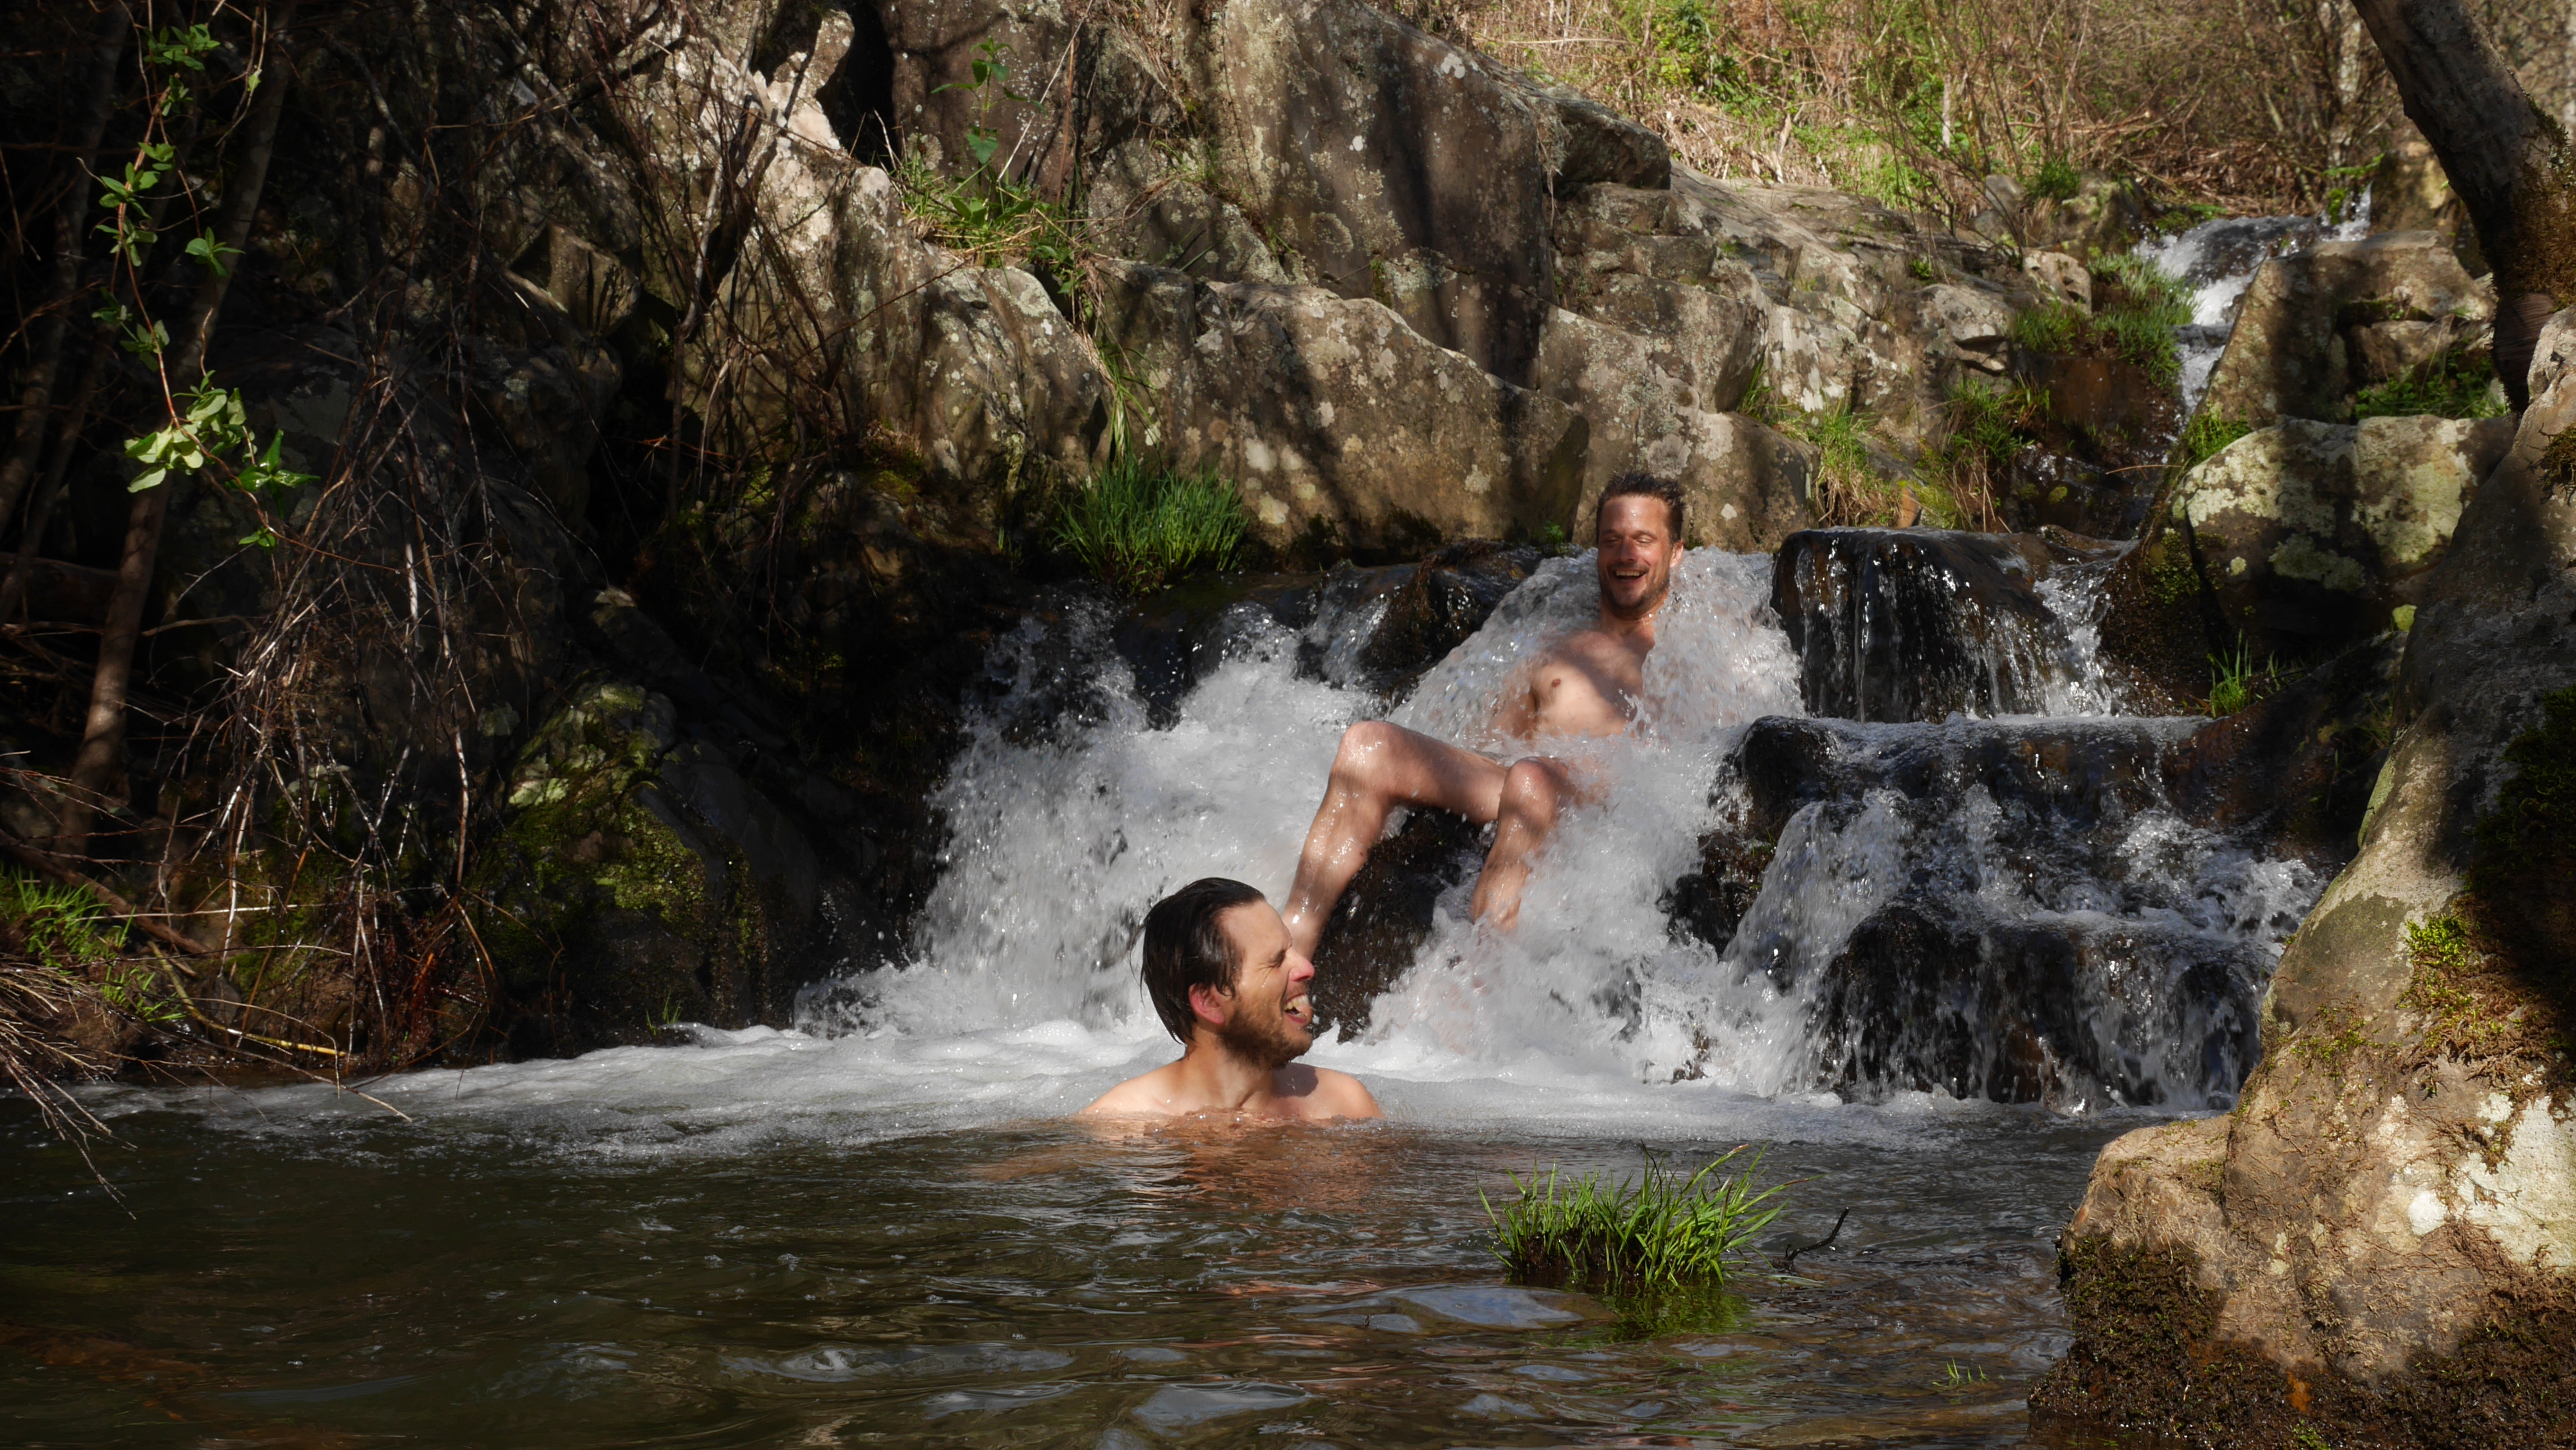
{"x": 1995, "y": 895}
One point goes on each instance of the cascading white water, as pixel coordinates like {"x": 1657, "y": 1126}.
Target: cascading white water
{"x": 1065, "y": 828}
{"x": 2219, "y": 259}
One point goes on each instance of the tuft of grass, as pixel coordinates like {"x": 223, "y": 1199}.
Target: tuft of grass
{"x": 2136, "y": 308}
{"x": 1661, "y": 1232}
{"x": 2056, "y": 180}
{"x": 62, "y": 927}
{"x": 1142, "y": 525}
{"x": 2235, "y": 681}
{"x": 2205, "y": 437}
{"x": 2450, "y": 385}
{"x": 1957, "y": 1376}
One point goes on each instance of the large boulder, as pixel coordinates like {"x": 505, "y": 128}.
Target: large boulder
{"x": 1744, "y": 486}
{"x": 2380, "y": 1244}
{"x": 638, "y": 878}
{"x": 1336, "y": 418}
{"x": 2312, "y": 534}
{"x": 1403, "y": 168}
{"x": 2317, "y": 325}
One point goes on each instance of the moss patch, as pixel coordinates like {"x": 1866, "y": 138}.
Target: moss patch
{"x": 2147, "y": 1358}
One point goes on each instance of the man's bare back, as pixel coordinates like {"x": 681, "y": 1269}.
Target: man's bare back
{"x": 1589, "y": 684}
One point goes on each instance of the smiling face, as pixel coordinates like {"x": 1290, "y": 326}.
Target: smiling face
{"x": 1268, "y": 1017}
{"x": 1637, "y": 554}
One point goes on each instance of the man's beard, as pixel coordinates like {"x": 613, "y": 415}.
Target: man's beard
{"x": 1270, "y": 1044}
{"x": 1644, "y": 606}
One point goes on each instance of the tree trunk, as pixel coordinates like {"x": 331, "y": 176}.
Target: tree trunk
{"x": 102, "y": 749}
{"x": 2508, "y": 163}
{"x": 45, "y": 339}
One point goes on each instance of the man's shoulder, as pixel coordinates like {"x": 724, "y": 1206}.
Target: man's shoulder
{"x": 1337, "y": 1095}
{"x": 1147, "y": 1093}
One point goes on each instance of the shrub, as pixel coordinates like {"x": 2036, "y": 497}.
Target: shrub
{"x": 1141, "y": 525}
{"x": 2056, "y": 180}
{"x": 1662, "y": 1232}
{"x": 2136, "y": 309}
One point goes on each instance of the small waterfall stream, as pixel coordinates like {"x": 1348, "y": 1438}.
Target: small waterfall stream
{"x": 1991, "y": 904}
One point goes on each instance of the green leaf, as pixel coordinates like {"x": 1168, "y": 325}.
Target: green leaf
{"x": 211, "y": 252}
{"x": 148, "y": 478}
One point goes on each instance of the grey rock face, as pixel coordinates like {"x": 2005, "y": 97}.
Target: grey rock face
{"x": 2316, "y": 325}
{"x": 2308, "y": 533}
{"x": 1334, "y": 415}
{"x": 1386, "y": 158}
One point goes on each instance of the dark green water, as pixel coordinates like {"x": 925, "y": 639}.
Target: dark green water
{"x": 344, "y": 1282}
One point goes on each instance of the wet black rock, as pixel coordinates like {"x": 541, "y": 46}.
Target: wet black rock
{"x": 2043, "y": 929}
{"x": 2065, "y": 1010}
{"x": 1386, "y": 914}
{"x": 1915, "y": 624}
{"x": 1175, "y": 639}
{"x": 1447, "y": 599}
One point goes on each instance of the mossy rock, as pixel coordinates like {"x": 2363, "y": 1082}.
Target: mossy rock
{"x": 637, "y": 880}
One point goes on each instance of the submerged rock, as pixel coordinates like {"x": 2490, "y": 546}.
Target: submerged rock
{"x": 1914, "y": 624}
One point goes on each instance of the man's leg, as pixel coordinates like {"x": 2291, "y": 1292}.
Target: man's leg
{"x": 1534, "y": 791}
{"x": 1378, "y": 768}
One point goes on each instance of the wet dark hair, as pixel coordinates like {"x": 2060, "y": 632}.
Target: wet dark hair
{"x": 1644, "y": 485}
{"x": 1186, "y": 946}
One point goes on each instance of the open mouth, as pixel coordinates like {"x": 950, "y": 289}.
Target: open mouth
{"x": 1300, "y": 1010}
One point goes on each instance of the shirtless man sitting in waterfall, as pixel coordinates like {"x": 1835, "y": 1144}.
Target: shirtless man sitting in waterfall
{"x": 1586, "y": 685}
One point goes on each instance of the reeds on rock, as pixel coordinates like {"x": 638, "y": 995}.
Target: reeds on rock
{"x": 1663, "y": 1231}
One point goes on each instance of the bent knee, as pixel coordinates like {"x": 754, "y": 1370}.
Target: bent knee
{"x": 1531, "y": 789}
{"x": 1363, "y": 753}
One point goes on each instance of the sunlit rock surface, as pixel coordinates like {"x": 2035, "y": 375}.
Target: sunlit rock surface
{"x": 2377, "y": 1241}
{"x": 2308, "y": 533}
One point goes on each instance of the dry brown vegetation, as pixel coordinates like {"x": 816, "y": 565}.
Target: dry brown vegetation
{"x": 2251, "y": 105}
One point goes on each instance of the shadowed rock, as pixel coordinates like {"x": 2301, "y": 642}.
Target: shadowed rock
{"x": 1914, "y": 624}
{"x": 1386, "y": 914}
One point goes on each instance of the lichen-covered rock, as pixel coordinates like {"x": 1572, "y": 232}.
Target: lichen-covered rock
{"x": 2308, "y": 320}
{"x": 1832, "y": 288}
{"x": 2308, "y": 533}
{"x": 1744, "y": 486}
{"x": 2380, "y": 1243}
{"x": 1335, "y": 417}
{"x": 1397, "y": 166}
{"x": 638, "y": 879}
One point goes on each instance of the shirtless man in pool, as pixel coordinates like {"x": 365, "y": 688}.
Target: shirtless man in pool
{"x": 1586, "y": 685}
{"x": 1225, "y": 981}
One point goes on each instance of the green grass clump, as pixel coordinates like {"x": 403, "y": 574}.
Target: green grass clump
{"x": 1141, "y": 525}
{"x": 2205, "y": 437}
{"x": 2136, "y": 309}
{"x": 2235, "y": 681}
{"x": 1994, "y": 421}
{"x": 1662, "y": 1232}
{"x": 64, "y": 927}
{"x": 2056, "y": 180}
{"x": 2451, "y": 385}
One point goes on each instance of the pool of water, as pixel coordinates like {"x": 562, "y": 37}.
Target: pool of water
{"x": 520, "y": 1261}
